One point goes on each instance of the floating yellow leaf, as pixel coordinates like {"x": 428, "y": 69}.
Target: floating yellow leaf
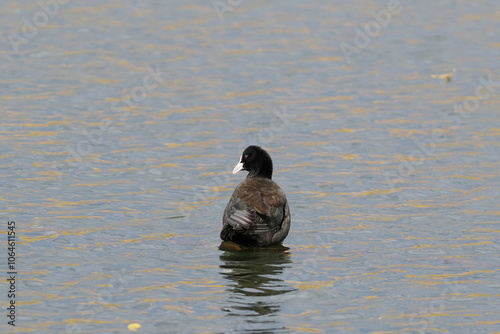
{"x": 133, "y": 327}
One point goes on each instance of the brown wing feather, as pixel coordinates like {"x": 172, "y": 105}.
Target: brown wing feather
{"x": 263, "y": 194}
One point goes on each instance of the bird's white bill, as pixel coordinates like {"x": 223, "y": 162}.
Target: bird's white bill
{"x": 238, "y": 167}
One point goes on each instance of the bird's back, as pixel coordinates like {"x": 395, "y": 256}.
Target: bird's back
{"x": 257, "y": 214}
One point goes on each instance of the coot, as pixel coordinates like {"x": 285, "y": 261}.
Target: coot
{"x": 257, "y": 213}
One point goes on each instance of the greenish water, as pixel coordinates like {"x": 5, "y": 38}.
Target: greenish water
{"x": 121, "y": 121}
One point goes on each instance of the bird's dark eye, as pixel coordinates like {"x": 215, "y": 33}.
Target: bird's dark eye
{"x": 245, "y": 156}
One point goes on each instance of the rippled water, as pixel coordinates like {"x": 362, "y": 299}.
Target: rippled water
{"x": 121, "y": 122}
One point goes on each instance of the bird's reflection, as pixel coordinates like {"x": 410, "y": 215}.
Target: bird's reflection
{"x": 256, "y": 286}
